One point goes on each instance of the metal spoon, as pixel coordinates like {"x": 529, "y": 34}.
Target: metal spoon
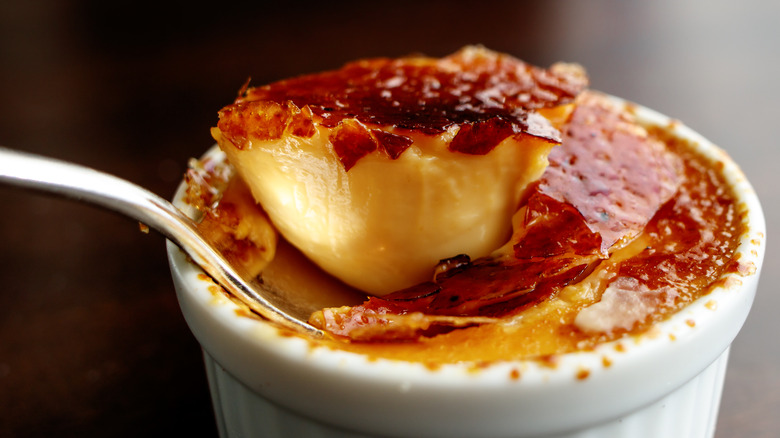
{"x": 84, "y": 184}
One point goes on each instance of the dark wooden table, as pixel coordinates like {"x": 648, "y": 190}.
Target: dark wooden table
{"x": 92, "y": 342}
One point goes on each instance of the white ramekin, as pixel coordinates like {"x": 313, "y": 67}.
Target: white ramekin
{"x": 664, "y": 383}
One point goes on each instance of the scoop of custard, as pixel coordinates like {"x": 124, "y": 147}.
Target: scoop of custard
{"x": 379, "y": 170}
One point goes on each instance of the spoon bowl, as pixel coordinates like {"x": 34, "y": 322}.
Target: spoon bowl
{"x": 81, "y": 183}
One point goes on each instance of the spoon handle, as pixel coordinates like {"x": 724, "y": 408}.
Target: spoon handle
{"x": 113, "y": 193}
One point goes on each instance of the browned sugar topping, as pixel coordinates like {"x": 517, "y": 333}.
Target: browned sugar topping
{"x": 489, "y": 96}
{"x": 580, "y": 209}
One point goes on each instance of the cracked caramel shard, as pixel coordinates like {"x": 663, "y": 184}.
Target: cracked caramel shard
{"x": 380, "y": 169}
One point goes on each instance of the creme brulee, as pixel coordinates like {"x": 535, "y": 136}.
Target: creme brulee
{"x": 472, "y": 208}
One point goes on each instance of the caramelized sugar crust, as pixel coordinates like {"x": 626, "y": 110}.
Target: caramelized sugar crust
{"x": 611, "y": 171}
{"x": 375, "y": 104}
{"x": 606, "y": 183}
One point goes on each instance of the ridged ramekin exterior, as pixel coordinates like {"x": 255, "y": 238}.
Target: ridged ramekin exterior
{"x": 689, "y": 411}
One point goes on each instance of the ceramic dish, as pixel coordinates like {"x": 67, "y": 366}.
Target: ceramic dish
{"x": 665, "y": 382}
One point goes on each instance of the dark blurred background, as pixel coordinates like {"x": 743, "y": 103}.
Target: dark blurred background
{"x": 92, "y": 342}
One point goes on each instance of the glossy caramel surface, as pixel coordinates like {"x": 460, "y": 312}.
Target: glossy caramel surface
{"x": 668, "y": 240}
{"x": 377, "y": 103}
